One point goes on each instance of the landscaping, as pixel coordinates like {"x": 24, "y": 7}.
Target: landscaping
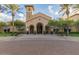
{"x": 75, "y": 34}
{"x": 8, "y": 33}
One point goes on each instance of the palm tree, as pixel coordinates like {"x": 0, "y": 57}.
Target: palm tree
{"x": 76, "y": 8}
{"x": 2, "y": 9}
{"x": 65, "y": 8}
{"x": 13, "y": 8}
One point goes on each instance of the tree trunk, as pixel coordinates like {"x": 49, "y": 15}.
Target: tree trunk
{"x": 13, "y": 28}
{"x": 67, "y": 13}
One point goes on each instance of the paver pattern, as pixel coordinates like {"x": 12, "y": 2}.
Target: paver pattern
{"x": 39, "y": 45}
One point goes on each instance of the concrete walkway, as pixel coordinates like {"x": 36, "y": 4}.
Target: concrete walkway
{"x": 38, "y": 37}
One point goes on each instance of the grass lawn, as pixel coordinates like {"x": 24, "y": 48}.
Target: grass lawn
{"x": 75, "y": 34}
{"x": 8, "y": 33}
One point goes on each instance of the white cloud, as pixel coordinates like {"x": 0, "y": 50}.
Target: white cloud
{"x": 21, "y": 15}
{"x": 5, "y": 17}
{"x": 53, "y": 12}
{"x": 56, "y": 13}
{"x": 50, "y": 9}
{"x": 22, "y": 19}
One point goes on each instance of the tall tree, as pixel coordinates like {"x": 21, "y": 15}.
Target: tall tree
{"x": 76, "y": 7}
{"x": 13, "y": 8}
{"x": 65, "y": 8}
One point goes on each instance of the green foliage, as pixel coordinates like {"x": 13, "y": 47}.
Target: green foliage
{"x": 69, "y": 22}
{"x": 74, "y": 34}
{"x": 8, "y": 33}
{"x": 77, "y": 23}
{"x": 76, "y": 8}
{"x": 53, "y": 23}
{"x": 60, "y": 23}
{"x": 19, "y": 25}
{"x": 65, "y": 8}
{"x": 2, "y": 24}
{"x": 13, "y": 8}
{"x": 56, "y": 22}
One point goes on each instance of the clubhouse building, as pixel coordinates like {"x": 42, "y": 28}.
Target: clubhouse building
{"x": 36, "y": 22}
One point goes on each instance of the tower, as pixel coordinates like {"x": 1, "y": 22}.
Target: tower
{"x": 29, "y": 9}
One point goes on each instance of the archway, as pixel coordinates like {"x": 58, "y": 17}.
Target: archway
{"x": 39, "y": 28}
{"x": 31, "y": 29}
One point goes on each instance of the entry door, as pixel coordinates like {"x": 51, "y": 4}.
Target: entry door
{"x": 39, "y": 28}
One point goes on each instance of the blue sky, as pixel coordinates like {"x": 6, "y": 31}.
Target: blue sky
{"x": 49, "y": 9}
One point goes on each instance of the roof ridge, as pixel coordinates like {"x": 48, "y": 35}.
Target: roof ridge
{"x": 38, "y": 14}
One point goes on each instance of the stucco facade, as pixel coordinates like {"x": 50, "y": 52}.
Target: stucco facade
{"x": 38, "y": 19}
{"x": 37, "y": 22}
{"x": 75, "y": 17}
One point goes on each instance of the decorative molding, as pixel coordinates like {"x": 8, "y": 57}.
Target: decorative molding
{"x": 37, "y": 17}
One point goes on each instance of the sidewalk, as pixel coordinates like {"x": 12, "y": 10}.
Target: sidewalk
{"x": 39, "y": 37}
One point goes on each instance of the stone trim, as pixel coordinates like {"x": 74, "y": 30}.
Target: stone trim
{"x": 37, "y": 17}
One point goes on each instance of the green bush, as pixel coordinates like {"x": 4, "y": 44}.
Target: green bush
{"x": 8, "y": 33}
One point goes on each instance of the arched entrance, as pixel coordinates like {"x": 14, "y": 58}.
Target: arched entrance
{"x": 31, "y": 29}
{"x": 39, "y": 28}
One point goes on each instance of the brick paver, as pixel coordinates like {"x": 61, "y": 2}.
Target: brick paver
{"x": 39, "y": 45}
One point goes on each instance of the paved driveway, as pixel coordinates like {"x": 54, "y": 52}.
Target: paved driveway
{"x": 39, "y": 45}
